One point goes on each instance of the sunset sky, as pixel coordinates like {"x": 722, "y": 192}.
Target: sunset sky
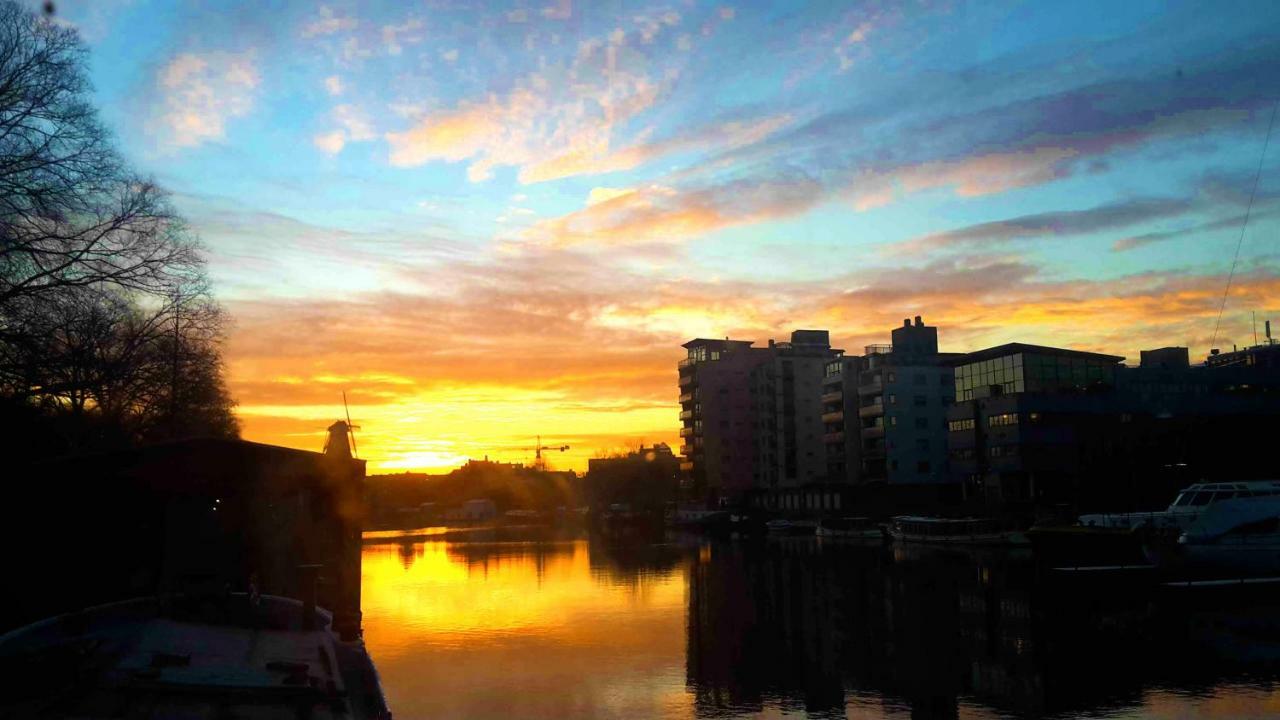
{"x": 487, "y": 222}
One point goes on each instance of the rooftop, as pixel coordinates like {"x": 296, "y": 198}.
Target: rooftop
{"x": 1015, "y": 348}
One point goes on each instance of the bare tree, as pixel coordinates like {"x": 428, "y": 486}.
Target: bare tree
{"x": 107, "y": 326}
{"x": 71, "y": 213}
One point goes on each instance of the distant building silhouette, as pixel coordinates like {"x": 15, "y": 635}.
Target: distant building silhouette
{"x": 803, "y": 427}
{"x": 1037, "y": 426}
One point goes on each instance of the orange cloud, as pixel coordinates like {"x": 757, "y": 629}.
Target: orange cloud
{"x": 478, "y": 357}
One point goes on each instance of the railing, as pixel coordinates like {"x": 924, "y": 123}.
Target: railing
{"x": 833, "y": 417}
{"x": 875, "y": 431}
{"x": 686, "y": 414}
{"x": 832, "y": 397}
{"x": 686, "y": 432}
{"x": 687, "y": 362}
{"x": 871, "y": 388}
{"x": 686, "y": 397}
{"x": 686, "y": 380}
{"x": 872, "y": 410}
{"x": 877, "y": 349}
{"x": 833, "y": 438}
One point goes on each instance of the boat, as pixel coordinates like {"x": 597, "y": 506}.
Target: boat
{"x": 1140, "y": 538}
{"x": 1240, "y": 535}
{"x": 1190, "y": 503}
{"x": 782, "y": 526}
{"x": 959, "y": 531}
{"x": 857, "y": 528}
{"x": 190, "y": 656}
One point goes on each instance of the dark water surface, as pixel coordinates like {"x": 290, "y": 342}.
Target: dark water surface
{"x": 796, "y": 628}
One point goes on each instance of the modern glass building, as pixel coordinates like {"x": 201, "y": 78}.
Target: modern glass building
{"x": 1017, "y": 367}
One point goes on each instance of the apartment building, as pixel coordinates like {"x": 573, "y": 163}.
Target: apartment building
{"x": 786, "y": 391}
{"x": 904, "y": 391}
{"x": 717, "y": 417}
{"x": 841, "y": 436}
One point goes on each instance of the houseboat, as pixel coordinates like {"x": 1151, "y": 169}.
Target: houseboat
{"x": 856, "y": 528}
{"x": 957, "y": 531}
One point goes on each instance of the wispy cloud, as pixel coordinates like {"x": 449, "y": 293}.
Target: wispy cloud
{"x": 199, "y": 93}
{"x": 328, "y": 22}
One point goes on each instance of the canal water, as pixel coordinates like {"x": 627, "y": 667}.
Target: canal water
{"x": 796, "y": 627}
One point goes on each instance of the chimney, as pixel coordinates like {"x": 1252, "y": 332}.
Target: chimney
{"x": 906, "y": 322}
{"x": 919, "y": 322}
{"x": 1214, "y": 351}
{"x": 1268, "y": 326}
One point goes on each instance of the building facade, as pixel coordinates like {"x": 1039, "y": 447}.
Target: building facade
{"x": 904, "y": 391}
{"x": 1042, "y": 427}
{"x": 716, "y": 416}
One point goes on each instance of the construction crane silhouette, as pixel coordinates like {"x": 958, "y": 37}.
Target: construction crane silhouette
{"x": 538, "y": 462}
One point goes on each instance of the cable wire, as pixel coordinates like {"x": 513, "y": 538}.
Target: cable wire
{"x": 1248, "y": 210}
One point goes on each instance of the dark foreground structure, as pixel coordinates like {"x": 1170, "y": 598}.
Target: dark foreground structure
{"x": 224, "y": 574}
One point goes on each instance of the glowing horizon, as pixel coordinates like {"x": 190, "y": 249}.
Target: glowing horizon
{"x": 489, "y": 224}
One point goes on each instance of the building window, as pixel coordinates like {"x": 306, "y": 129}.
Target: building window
{"x": 1003, "y": 420}
{"x": 922, "y": 423}
{"x": 922, "y": 466}
{"x": 892, "y": 377}
{"x": 893, "y": 399}
{"x": 920, "y": 401}
{"x": 893, "y": 419}
{"x": 958, "y": 425}
{"x": 1003, "y": 450}
{"x": 715, "y": 354}
{"x": 1034, "y": 418}
{"x": 920, "y": 379}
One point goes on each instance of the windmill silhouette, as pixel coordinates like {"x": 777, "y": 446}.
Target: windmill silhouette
{"x": 340, "y": 432}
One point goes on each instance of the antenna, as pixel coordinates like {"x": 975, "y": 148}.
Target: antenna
{"x": 350, "y": 428}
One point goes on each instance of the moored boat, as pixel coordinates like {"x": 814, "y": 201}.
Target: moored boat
{"x": 959, "y": 531}
{"x": 857, "y": 528}
{"x": 1239, "y": 536}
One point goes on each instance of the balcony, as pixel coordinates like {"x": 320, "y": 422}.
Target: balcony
{"x": 686, "y": 398}
{"x": 687, "y": 431}
{"x": 874, "y": 388}
{"x": 833, "y": 417}
{"x": 686, "y": 414}
{"x": 875, "y": 431}
{"x": 877, "y": 349}
{"x": 686, "y": 465}
{"x": 833, "y": 438}
{"x": 687, "y": 362}
{"x": 832, "y": 398}
{"x": 875, "y": 452}
{"x": 872, "y": 410}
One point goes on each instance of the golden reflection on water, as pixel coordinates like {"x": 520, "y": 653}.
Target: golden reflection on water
{"x": 565, "y": 630}
{"x": 522, "y": 630}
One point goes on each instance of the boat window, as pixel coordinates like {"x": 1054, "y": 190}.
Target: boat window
{"x": 1182, "y": 499}
{"x": 1201, "y": 498}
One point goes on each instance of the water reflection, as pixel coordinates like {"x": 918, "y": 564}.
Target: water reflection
{"x": 573, "y": 628}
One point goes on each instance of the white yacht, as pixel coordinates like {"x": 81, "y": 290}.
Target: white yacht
{"x": 1187, "y": 507}
{"x": 1241, "y": 534}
